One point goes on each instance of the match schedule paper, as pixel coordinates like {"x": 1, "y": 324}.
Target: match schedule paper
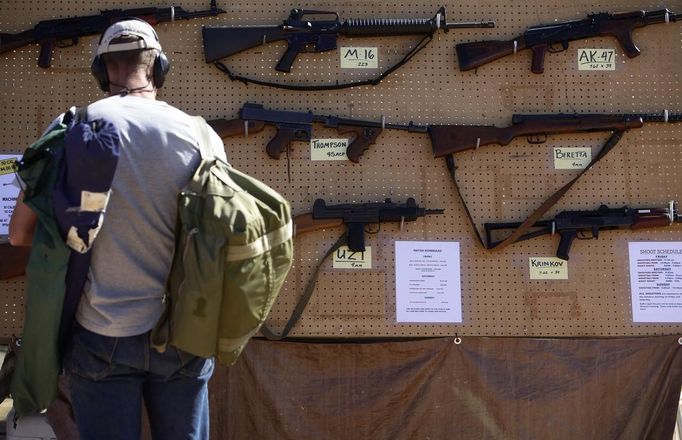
{"x": 427, "y": 279}
{"x": 656, "y": 281}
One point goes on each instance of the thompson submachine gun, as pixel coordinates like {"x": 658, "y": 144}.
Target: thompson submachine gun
{"x": 585, "y": 225}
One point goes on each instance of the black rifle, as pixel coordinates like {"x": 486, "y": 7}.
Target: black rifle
{"x": 65, "y": 32}
{"x": 304, "y": 35}
{"x": 578, "y": 224}
{"x": 542, "y": 39}
{"x": 356, "y": 216}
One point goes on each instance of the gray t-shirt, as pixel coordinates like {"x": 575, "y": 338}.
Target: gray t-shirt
{"x": 132, "y": 254}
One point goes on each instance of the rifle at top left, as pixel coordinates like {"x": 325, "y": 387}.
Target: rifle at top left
{"x": 65, "y": 32}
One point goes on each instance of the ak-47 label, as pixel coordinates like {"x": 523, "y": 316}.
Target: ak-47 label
{"x": 596, "y": 59}
{"x": 359, "y": 57}
{"x": 8, "y": 190}
{"x": 344, "y": 258}
{"x": 328, "y": 149}
{"x": 571, "y": 158}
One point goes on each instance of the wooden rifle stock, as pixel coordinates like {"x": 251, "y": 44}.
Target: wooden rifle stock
{"x": 233, "y": 127}
{"x": 449, "y": 139}
{"x": 306, "y": 223}
{"x": 478, "y": 53}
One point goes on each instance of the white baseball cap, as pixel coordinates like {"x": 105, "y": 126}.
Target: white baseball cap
{"x": 129, "y": 28}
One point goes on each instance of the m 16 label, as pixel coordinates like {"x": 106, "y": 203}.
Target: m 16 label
{"x": 596, "y": 59}
{"x": 571, "y": 158}
{"x": 547, "y": 268}
{"x": 359, "y": 58}
{"x": 328, "y": 149}
{"x": 344, "y": 258}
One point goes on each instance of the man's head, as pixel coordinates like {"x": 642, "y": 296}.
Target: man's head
{"x": 129, "y": 47}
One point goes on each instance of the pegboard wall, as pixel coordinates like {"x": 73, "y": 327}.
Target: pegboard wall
{"x": 499, "y": 183}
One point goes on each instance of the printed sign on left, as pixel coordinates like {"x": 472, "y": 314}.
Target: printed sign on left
{"x": 8, "y": 189}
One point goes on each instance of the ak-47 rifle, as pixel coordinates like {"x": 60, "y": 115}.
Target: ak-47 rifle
{"x": 65, "y": 32}
{"x": 305, "y": 35}
{"x": 445, "y": 139}
{"x": 542, "y": 39}
{"x": 578, "y": 224}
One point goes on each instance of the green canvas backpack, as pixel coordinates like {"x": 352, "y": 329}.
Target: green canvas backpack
{"x": 233, "y": 250}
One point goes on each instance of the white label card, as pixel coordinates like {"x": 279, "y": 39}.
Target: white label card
{"x": 547, "y": 268}
{"x": 596, "y": 59}
{"x": 328, "y": 149}
{"x": 359, "y": 57}
{"x": 344, "y": 258}
{"x": 8, "y": 190}
{"x": 427, "y": 282}
{"x": 572, "y": 158}
{"x": 656, "y": 281}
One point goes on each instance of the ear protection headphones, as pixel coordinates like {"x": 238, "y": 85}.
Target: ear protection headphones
{"x": 160, "y": 67}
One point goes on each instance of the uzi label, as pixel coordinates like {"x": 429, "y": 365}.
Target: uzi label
{"x": 344, "y": 258}
{"x": 596, "y": 59}
{"x": 572, "y": 158}
{"x": 547, "y": 268}
{"x": 359, "y": 57}
{"x": 328, "y": 149}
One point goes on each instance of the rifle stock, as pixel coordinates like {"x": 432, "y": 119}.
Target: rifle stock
{"x": 233, "y": 127}
{"x": 223, "y": 41}
{"x": 449, "y": 139}
{"x": 13, "y": 41}
{"x": 306, "y": 223}
{"x": 478, "y": 53}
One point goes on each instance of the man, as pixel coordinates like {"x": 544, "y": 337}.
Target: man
{"x": 110, "y": 366}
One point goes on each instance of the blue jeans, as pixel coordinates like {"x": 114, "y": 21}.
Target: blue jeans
{"x": 110, "y": 377}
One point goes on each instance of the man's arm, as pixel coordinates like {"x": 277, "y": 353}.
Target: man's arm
{"x": 22, "y": 224}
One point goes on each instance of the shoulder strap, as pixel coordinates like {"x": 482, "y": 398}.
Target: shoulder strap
{"x": 201, "y": 130}
{"x": 542, "y": 209}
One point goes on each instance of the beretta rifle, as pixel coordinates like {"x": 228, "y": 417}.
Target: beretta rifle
{"x": 544, "y": 38}
{"x": 585, "y": 225}
{"x": 302, "y": 34}
{"x": 65, "y": 32}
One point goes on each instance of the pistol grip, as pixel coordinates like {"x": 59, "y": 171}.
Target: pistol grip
{"x": 565, "y": 243}
{"x": 538, "y": 62}
{"x": 287, "y": 60}
{"x": 45, "y": 56}
{"x": 364, "y": 137}
{"x": 280, "y": 142}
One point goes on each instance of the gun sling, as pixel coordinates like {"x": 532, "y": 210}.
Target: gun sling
{"x": 303, "y": 300}
{"x": 374, "y": 81}
{"x": 543, "y": 208}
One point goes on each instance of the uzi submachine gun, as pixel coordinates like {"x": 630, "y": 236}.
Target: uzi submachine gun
{"x": 585, "y": 225}
{"x": 356, "y": 217}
